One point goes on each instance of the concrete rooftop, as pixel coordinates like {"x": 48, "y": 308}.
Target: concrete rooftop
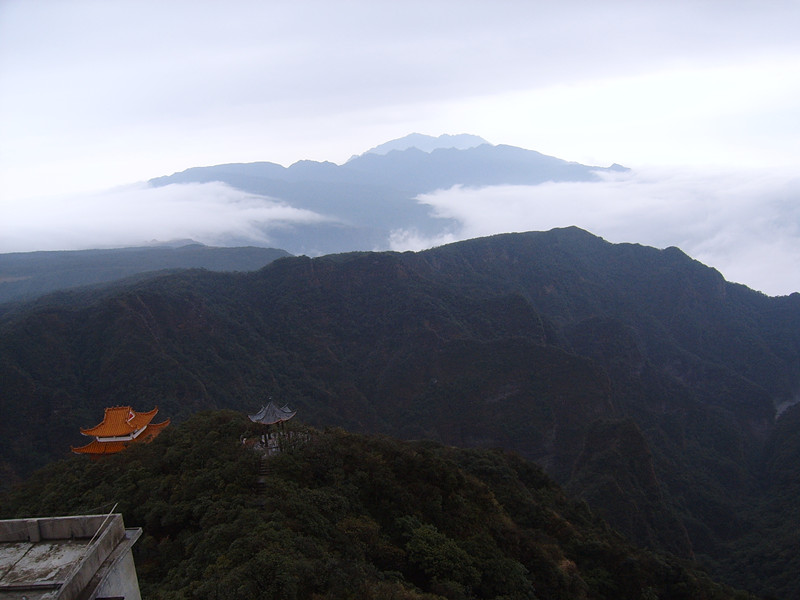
{"x": 69, "y": 558}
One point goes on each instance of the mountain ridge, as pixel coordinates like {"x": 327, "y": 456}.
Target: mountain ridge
{"x": 538, "y": 342}
{"x": 428, "y": 143}
{"x": 372, "y": 195}
{"x": 26, "y": 275}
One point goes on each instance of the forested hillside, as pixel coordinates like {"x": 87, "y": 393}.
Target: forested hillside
{"x": 26, "y": 275}
{"x": 638, "y": 378}
{"x": 340, "y": 515}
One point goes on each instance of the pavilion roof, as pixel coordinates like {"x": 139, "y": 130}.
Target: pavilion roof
{"x": 271, "y": 414}
{"x": 151, "y": 432}
{"x": 95, "y": 448}
{"x": 119, "y": 421}
{"x": 98, "y": 447}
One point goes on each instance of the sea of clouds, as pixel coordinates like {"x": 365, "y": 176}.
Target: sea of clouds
{"x": 746, "y": 224}
{"x": 210, "y": 213}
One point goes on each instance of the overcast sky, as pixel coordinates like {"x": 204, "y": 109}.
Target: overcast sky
{"x": 99, "y": 94}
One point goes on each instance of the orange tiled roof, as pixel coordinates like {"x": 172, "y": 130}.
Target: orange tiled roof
{"x": 151, "y": 432}
{"x": 119, "y": 421}
{"x": 95, "y": 448}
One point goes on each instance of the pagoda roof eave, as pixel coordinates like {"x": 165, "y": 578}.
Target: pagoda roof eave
{"x": 96, "y": 448}
{"x": 152, "y": 432}
{"x": 120, "y": 421}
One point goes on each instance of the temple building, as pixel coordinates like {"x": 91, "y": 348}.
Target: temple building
{"x": 273, "y": 441}
{"x": 120, "y": 428}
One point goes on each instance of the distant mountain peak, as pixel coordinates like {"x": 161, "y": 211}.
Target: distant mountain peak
{"x": 429, "y": 143}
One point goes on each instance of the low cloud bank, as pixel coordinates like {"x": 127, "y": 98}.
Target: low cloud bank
{"x": 744, "y": 224}
{"x": 211, "y": 213}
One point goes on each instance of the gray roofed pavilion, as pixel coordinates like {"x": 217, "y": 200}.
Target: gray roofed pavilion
{"x": 271, "y": 414}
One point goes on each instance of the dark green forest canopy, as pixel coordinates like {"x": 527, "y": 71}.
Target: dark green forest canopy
{"x": 638, "y": 378}
{"x": 340, "y": 515}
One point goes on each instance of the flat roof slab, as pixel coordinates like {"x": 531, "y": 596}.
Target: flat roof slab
{"x": 42, "y": 562}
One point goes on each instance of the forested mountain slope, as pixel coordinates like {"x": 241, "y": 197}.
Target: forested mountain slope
{"x": 26, "y": 275}
{"x": 637, "y": 377}
{"x": 339, "y": 515}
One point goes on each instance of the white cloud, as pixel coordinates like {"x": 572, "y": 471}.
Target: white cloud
{"x": 745, "y": 224}
{"x": 206, "y": 212}
{"x": 94, "y": 94}
{"x": 742, "y": 114}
